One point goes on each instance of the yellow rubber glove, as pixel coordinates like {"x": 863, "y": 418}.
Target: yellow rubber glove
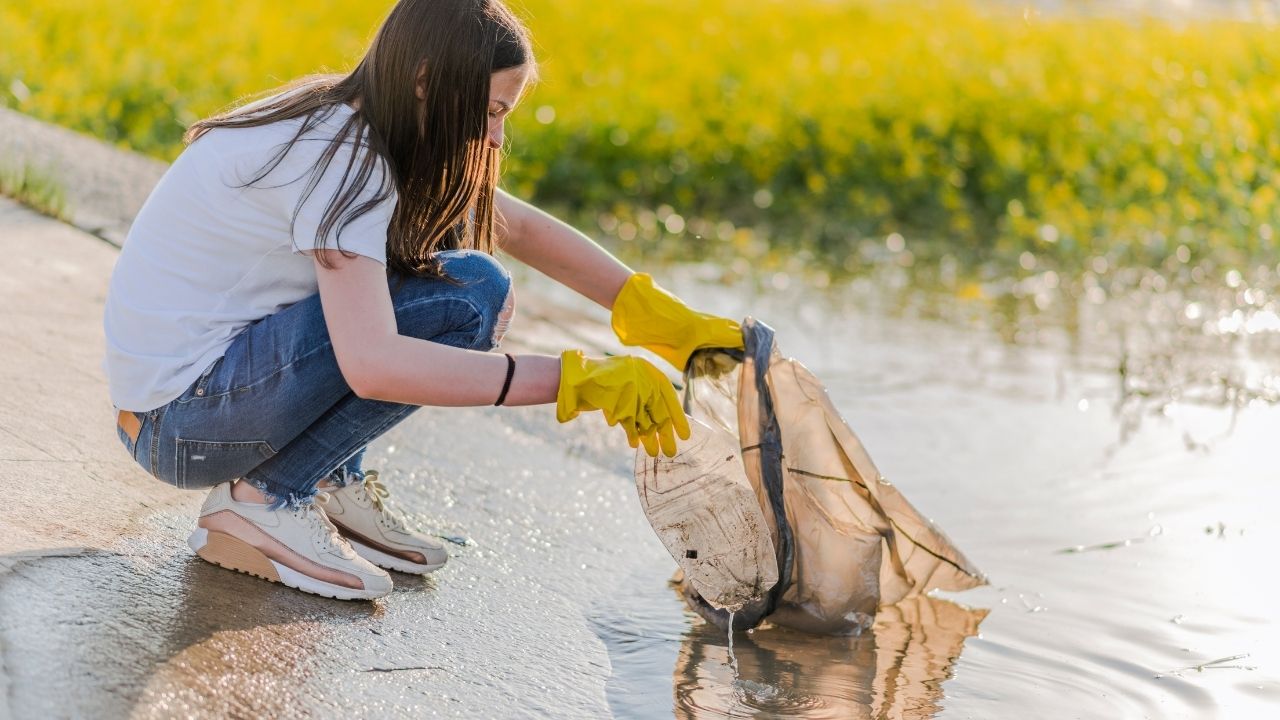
{"x": 646, "y": 315}
{"x": 631, "y": 392}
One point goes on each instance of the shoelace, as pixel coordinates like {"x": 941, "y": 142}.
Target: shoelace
{"x": 377, "y": 494}
{"x": 320, "y": 523}
{"x": 376, "y": 491}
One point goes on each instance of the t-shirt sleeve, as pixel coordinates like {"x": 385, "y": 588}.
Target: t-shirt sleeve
{"x": 364, "y": 235}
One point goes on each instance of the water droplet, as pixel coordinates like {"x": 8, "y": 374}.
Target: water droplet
{"x": 733, "y": 660}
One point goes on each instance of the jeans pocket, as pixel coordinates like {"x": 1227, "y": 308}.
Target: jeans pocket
{"x": 202, "y": 463}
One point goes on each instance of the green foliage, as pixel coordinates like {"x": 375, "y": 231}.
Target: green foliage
{"x": 703, "y": 129}
{"x": 35, "y": 189}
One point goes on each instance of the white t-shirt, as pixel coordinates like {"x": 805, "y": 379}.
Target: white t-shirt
{"x": 206, "y": 257}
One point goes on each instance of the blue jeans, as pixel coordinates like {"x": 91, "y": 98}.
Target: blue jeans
{"x": 275, "y": 409}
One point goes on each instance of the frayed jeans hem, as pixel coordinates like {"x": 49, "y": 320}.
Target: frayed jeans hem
{"x": 286, "y": 498}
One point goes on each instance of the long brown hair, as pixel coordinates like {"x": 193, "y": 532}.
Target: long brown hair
{"x": 435, "y": 150}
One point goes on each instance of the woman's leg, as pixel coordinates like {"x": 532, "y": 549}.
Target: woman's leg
{"x": 276, "y": 409}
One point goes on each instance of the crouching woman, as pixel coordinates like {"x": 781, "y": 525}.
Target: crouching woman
{"x": 317, "y": 265}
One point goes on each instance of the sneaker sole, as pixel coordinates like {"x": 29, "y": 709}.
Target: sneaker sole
{"x": 390, "y": 562}
{"x": 234, "y": 554}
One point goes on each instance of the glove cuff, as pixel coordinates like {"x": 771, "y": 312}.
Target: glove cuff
{"x": 630, "y": 305}
{"x": 573, "y": 366}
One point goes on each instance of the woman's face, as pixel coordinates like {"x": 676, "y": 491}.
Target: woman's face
{"x": 505, "y": 90}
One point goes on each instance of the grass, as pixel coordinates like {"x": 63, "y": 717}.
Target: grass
{"x": 34, "y": 188}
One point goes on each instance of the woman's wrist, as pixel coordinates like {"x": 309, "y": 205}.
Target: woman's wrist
{"x": 536, "y": 381}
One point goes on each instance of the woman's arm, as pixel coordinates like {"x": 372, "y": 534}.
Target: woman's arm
{"x": 557, "y": 250}
{"x": 381, "y": 364}
{"x": 641, "y": 312}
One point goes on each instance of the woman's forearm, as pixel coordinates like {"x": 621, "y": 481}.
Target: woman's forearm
{"x": 562, "y": 253}
{"x": 421, "y": 372}
{"x": 380, "y": 363}
{"x": 418, "y": 372}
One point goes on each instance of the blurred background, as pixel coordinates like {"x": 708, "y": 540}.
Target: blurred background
{"x": 796, "y": 135}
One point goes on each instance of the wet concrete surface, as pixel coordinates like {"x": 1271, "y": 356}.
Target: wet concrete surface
{"x": 142, "y": 628}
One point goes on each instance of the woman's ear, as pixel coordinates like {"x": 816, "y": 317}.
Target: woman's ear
{"x": 420, "y": 82}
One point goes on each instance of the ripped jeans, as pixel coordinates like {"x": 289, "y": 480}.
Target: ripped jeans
{"x": 275, "y": 409}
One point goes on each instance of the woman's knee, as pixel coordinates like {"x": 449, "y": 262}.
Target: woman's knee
{"x": 473, "y": 311}
{"x": 505, "y": 313}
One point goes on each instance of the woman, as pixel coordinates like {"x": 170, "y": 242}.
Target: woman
{"x": 317, "y": 265}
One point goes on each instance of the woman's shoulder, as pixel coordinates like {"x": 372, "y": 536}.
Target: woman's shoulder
{"x": 297, "y": 142}
{"x": 283, "y": 157}
{"x": 323, "y": 125}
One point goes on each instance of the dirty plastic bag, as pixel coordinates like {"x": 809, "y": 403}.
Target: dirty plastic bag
{"x": 844, "y": 541}
{"x": 702, "y": 507}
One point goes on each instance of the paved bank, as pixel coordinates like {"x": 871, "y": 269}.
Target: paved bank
{"x": 104, "y": 186}
{"x": 104, "y": 612}
{"x": 67, "y": 478}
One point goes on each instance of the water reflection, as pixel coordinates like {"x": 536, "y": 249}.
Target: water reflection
{"x": 666, "y": 661}
{"x": 895, "y": 670}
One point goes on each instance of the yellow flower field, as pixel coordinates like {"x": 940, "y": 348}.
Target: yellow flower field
{"x": 812, "y": 123}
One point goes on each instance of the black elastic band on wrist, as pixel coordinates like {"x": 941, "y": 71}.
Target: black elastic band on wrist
{"x": 506, "y": 384}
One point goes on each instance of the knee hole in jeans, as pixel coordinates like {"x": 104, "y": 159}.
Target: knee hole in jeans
{"x": 503, "y": 322}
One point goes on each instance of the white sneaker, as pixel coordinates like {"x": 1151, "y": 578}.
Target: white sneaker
{"x": 299, "y": 548}
{"x": 379, "y": 534}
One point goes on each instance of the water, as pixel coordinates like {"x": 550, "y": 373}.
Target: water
{"x": 733, "y": 661}
{"x": 1105, "y": 458}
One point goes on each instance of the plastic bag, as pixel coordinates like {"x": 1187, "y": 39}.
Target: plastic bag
{"x": 844, "y": 541}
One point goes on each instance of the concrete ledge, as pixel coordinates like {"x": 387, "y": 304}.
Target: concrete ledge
{"x": 105, "y": 186}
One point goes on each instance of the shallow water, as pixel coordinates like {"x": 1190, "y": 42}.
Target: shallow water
{"x": 1106, "y": 459}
